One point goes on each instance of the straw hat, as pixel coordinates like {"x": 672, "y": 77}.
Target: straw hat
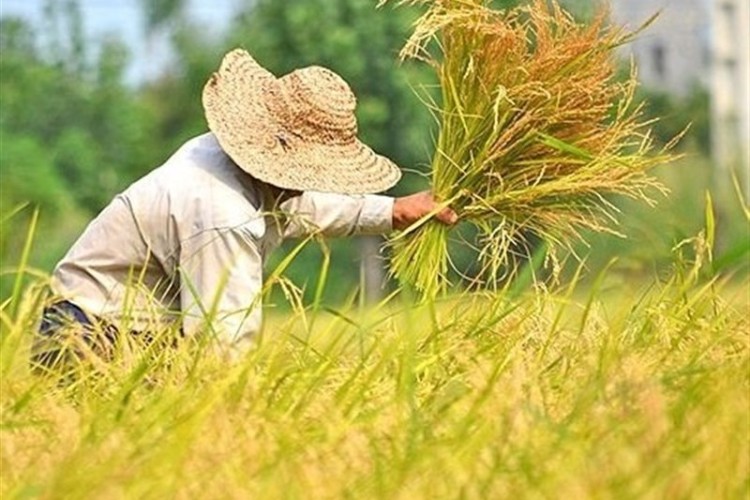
{"x": 295, "y": 132}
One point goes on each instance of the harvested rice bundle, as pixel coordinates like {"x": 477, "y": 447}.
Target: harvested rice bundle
{"x": 535, "y": 133}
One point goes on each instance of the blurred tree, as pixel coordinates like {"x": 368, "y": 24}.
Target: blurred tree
{"x": 672, "y": 115}
{"x": 121, "y": 124}
{"x": 158, "y": 13}
{"x": 71, "y": 132}
{"x": 160, "y": 18}
{"x": 82, "y": 113}
{"x": 28, "y": 175}
{"x": 175, "y": 96}
{"x": 64, "y": 39}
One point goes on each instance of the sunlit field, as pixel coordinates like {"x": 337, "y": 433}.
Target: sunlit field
{"x": 621, "y": 370}
{"x": 610, "y": 389}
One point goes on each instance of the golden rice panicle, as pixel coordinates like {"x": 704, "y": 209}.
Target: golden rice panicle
{"x": 535, "y": 132}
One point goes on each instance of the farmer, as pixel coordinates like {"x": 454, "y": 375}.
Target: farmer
{"x": 187, "y": 242}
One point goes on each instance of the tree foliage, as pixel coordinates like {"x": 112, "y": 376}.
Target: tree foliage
{"x": 82, "y": 115}
{"x": 72, "y": 134}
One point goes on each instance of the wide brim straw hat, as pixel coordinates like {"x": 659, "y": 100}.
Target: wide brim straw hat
{"x": 296, "y": 132}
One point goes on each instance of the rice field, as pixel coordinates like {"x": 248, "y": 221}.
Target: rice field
{"x": 602, "y": 386}
{"x": 608, "y": 389}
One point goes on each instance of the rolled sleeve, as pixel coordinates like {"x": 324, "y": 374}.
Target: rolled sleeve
{"x": 337, "y": 215}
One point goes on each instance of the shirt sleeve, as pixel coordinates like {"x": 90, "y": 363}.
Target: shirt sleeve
{"x": 221, "y": 284}
{"x": 337, "y": 214}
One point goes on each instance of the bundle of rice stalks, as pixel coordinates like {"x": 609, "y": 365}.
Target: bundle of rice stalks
{"x": 536, "y": 132}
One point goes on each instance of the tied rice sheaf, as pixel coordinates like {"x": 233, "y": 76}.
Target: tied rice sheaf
{"x": 536, "y": 133}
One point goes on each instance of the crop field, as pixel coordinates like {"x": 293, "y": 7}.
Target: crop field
{"x": 620, "y": 370}
{"x": 614, "y": 388}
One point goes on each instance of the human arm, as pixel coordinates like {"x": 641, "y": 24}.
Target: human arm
{"x": 341, "y": 215}
{"x": 332, "y": 215}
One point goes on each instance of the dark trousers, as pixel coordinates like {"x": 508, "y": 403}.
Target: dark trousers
{"x": 67, "y": 334}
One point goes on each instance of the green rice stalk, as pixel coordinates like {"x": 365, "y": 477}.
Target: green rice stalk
{"x": 536, "y": 133}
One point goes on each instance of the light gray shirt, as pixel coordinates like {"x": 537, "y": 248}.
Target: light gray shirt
{"x": 188, "y": 241}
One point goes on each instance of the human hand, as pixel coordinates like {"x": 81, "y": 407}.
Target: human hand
{"x": 409, "y": 209}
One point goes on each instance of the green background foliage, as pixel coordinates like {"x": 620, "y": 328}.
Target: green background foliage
{"x": 73, "y": 133}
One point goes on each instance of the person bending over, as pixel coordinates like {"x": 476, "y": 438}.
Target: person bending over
{"x": 187, "y": 242}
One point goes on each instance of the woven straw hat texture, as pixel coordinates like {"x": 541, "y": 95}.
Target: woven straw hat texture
{"x": 295, "y": 132}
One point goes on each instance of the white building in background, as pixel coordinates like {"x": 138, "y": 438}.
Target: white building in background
{"x": 674, "y": 53}
{"x": 730, "y": 85}
{"x": 702, "y": 43}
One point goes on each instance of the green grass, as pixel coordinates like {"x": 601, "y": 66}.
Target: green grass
{"x": 638, "y": 391}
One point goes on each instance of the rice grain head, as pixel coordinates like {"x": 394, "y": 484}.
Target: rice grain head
{"x": 536, "y": 133}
